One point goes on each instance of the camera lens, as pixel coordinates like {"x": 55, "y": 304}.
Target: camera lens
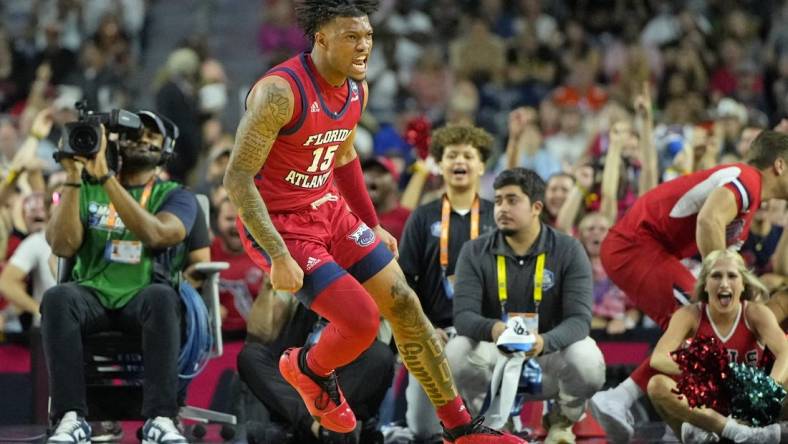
{"x": 83, "y": 139}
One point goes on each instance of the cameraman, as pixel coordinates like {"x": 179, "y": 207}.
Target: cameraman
{"x": 121, "y": 230}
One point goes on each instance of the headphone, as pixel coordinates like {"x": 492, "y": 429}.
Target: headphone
{"x": 168, "y": 129}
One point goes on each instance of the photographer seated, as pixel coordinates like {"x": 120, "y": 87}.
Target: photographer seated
{"x": 277, "y": 322}
{"x": 119, "y": 228}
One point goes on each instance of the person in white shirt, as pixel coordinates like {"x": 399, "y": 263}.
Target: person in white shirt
{"x": 32, "y": 258}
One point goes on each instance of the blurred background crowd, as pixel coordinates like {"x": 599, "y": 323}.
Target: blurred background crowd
{"x": 584, "y": 92}
{"x": 693, "y": 82}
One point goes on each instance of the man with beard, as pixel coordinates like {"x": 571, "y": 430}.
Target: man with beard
{"x": 240, "y": 284}
{"x": 382, "y": 177}
{"x": 526, "y": 269}
{"x": 126, "y": 231}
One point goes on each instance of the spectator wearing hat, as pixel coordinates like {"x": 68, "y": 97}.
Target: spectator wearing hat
{"x": 382, "y": 178}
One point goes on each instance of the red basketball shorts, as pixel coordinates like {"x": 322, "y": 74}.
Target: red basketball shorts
{"x": 655, "y": 280}
{"x": 327, "y": 241}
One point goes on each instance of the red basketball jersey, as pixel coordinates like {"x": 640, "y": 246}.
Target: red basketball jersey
{"x": 669, "y": 212}
{"x": 299, "y": 167}
{"x": 741, "y": 343}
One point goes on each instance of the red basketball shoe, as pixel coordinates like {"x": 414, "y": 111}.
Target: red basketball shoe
{"x": 477, "y": 433}
{"x": 322, "y": 396}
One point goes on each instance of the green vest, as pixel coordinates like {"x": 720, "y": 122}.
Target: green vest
{"x": 117, "y": 283}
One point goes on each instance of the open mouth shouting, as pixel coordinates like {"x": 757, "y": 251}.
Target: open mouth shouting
{"x": 360, "y": 65}
{"x": 459, "y": 172}
{"x": 725, "y": 297}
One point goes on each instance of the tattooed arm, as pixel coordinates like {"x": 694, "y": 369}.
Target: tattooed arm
{"x": 268, "y": 108}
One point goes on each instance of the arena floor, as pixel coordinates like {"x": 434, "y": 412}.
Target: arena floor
{"x": 645, "y": 433}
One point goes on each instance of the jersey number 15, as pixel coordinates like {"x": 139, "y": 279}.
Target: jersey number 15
{"x": 324, "y": 154}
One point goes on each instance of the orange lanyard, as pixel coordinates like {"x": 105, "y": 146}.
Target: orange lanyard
{"x": 445, "y": 215}
{"x": 112, "y": 215}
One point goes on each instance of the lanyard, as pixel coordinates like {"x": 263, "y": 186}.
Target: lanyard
{"x": 445, "y": 215}
{"x": 112, "y": 215}
{"x": 538, "y": 279}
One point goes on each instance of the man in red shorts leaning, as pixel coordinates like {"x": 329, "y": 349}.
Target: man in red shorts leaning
{"x": 306, "y": 218}
{"x": 701, "y": 212}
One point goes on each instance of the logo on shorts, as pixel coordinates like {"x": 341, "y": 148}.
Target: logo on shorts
{"x": 363, "y": 236}
{"x": 311, "y": 262}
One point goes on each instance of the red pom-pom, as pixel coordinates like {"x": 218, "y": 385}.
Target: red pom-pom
{"x": 704, "y": 369}
{"x": 417, "y": 135}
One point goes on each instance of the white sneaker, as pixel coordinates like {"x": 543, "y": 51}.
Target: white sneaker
{"x": 161, "y": 430}
{"x": 611, "y": 414}
{"x": 695, "y": 435}
{"x": 71, "y": 430}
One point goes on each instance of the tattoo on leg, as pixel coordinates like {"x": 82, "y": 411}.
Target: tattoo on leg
{"x": 419, "y": 346}
{"x": 406, "y": 314}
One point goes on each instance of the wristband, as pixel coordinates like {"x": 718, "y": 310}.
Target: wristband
{"x": 72, "y": 184}
{"x": 418, "y": 167}
{"x": 103, "y": 179}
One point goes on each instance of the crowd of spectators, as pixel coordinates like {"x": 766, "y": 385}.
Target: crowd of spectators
{"x": 603, "y": 99}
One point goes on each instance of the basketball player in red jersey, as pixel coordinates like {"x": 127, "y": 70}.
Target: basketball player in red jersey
{"x": 701, "y": 212}
{"x": 725, "y": 290}
{"x": 306, "y": 218}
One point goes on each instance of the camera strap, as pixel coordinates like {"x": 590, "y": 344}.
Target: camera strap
{"x": 112, "y": 215}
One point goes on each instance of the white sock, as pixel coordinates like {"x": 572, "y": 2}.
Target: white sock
{"x": 628, "y": 392}
{"x": 775, "y": 431}
{"x": 741, "y": 433}
{"x": 733, "y": 429}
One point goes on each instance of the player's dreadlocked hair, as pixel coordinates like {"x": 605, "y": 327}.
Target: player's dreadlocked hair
{"x": 312, "y": 14}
